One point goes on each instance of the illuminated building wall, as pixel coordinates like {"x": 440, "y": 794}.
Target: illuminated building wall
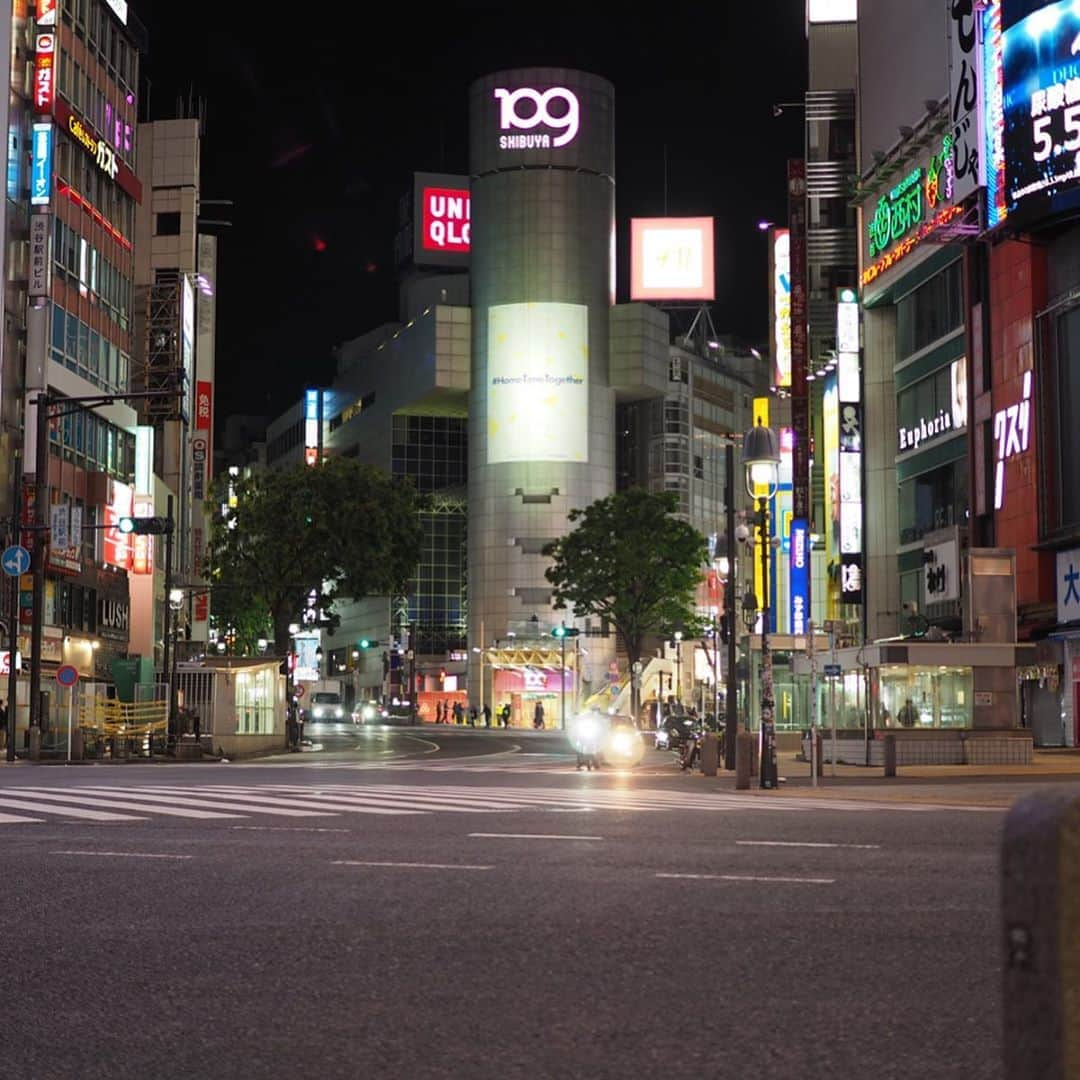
{"x": 541, "y": 410}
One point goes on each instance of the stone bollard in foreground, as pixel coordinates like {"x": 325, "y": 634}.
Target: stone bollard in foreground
{"x": 710, "y": 754}
{"x": 890, "y": 755}
{"x": 745, "y": 748}
{"x": 1040, "y": 895}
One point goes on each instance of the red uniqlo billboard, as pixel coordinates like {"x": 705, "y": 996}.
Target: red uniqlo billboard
{"x": 44, "y": 73}
{"x": 445, "y": 219}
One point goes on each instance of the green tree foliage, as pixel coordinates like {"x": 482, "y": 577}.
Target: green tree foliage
{"x": 631, "y": 562}
{"x": 343, "y": 529}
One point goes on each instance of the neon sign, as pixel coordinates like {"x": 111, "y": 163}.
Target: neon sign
{"x": 541, "y": 101}
{"x": 1012, "y": 434}
{"x": 41, "y": 164}
{"x": 44, "y": 73}
{"x": 446, "y": 219}
{"x": 98, "y": 148}
{"x": 909, "y": 243}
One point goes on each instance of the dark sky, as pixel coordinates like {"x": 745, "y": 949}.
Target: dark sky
{"x": 314, "y": 127}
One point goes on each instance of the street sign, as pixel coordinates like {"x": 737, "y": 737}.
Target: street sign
{"x": 67, "y": 675}
{"x": 833, "y": 671}
{"x": 298, "y": 690}
{"x": 16, "y": 560}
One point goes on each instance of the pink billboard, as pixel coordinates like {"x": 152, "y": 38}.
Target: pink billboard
{"x": 672, "y": 259}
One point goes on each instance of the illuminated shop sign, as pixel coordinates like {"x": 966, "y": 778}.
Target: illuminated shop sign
{"x": 948, "y": 418}
{"x": 523, "y": 109}
{"x": 672, "y": 259}
{"x": 997, "y": 207}
{"x": 1041, "y": 93}
{"x": 445, "y": 217}
{"x": 119, "y": 9}
{"x": 781, "y": 307}
{"x": 538, "y": 383}
{"x": 44, "y": 73}
{"x": 909, "y": 243}
{"x": 847, "y": 322}
{"x": 825, "y": 11}
{"x": 142, "y": 545}
{"x": 941, "y": 573}
{"x": 41, "y": 164}
{"x": 1012, "y": 436}
{"x": 117, "y": 545}
{"x": 45, "y": 13}
{"x": 104, "y": 156}
{"x": 905, "y": 206}
{"x": 40, "y": 282}
{"x": 800, "y": 575}
{"x": 965, "y": 98}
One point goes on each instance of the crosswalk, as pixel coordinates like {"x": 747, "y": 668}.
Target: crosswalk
{"x": 488, "y": 763}
{"x": 296, "y": 802}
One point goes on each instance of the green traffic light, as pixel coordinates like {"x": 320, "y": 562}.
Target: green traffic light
{"x": 125, "y": 525}
{"x": 365, "y": 643}
{"x": 559, "y": 631}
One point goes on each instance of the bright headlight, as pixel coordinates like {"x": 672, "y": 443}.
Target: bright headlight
{"x": 623, "y": 743}
{"x": 339, "y": 713}
{"x": 317, "y": 712}
{"x": 368, "y": 712}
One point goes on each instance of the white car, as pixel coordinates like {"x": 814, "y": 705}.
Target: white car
{"x": 326, "y": 706}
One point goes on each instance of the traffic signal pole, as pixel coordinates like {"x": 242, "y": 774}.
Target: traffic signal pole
{"x": 13, "y": 625}
{"x": 41, "y": 523}
{"x": 168, "y": 643}
{"x": 731, "y": 725}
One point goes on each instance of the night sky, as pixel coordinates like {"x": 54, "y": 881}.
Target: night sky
{"x": 313, "y": 128}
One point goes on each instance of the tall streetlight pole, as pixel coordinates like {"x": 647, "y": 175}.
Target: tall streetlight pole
{"x": 761, "y": 459}
{"x": 678, "y": 666}
{"x": 731, "y": 723}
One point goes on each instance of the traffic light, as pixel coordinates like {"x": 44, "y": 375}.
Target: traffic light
{"x": 145, "y": 526}
{"x": 565, "y": 631}
{"x": 367, "y": 643}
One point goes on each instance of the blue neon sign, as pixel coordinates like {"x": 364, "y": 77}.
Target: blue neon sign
{"x": 800, "y": 576}
{"x": 41, "y": 167}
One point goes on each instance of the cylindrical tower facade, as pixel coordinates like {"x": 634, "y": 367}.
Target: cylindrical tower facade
{"x": 541, "y": 410}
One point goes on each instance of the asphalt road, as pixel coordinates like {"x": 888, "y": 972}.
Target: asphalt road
{"x": 483, "y": 910}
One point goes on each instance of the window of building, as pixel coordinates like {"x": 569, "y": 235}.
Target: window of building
{"x": 930, "y": 312}
{"x": 933, "y": 500}
{"x": 1057, "y": 388}
{"x": 167, "y": 224}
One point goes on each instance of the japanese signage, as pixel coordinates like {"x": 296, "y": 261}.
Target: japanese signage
{"x": 672, "y": 259}
{"x": 142, "y": 545}
{"x": 45, "y": 13}
{"x": 941, "y": 572}
{"x": 1068, "y": 586}
{"x": 41, "y": 148}
{"x": 117, "y": 545}
{"x": 554, "y": 111}
{"x": 5, "y": 661}
{"x": 851, "y": 573}
{"x": 849, "y": 440}
{"x": 204, "y": 393}
{"x": 1012, "y": 436}
{"x": 40, "y": 283}
{"x": 1041, "y": 94}
{"x": 800, "y": 398}
{"x": 994, "y": 115}
{"x": 780, "y": 289}
{"x": 44, "y": 73}
{"x": 965, "y": 97}
{"x": 800, "y": 576}
{"x": 104, "y": 156}
{"x": 199, "y": 453}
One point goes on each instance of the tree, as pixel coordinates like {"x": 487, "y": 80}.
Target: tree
{"x": 632, "y": 562}
{"x": 338, "y": 530}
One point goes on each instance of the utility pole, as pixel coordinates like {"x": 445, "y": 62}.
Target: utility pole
{"x": 731, "y": 724}
{"x": 13, "y": 625}
{"x": 167, "y": 644}
{"x": 412, "y": 673}
{"x": 562, "y": 679}
{"x": 41, "y": 523}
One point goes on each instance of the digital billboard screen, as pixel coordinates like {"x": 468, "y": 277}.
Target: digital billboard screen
{"x": 672, "y": 259}
{"x": 1040, "y": 74}
{"x": 538, "y": 383}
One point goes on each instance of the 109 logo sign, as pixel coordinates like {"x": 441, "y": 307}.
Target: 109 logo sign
{"x": 537, "y": 112}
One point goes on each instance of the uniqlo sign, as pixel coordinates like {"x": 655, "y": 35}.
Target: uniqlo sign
{"x": 446, "y": 219}
{"x": 44, "y": 73}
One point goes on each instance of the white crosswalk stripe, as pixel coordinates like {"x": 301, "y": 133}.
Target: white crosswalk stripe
{"x": 487, "y": 763}
{"x": 231, "y": 802}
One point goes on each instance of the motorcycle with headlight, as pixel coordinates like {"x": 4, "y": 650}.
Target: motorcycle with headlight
{"x": 588, "y": 732}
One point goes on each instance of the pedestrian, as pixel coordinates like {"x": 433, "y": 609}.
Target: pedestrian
{"x": 472, "y": 716}
{"x": 907, "y": 715}
{"x": 506, "y": 710}
{"x": 196, "y": 724}
{"x": 487, "y": 715}
{"x": 538, "y": 716}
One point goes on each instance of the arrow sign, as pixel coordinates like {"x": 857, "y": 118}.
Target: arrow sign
{"x": 15, "y": 560}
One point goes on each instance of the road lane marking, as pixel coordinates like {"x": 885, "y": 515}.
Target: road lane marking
{"x": 183, "y": 797}
{"x": 412, "y": 865}
{"x": 67, "y": 811}
{"x": 263, "y": 803}
{"x": 805, "y": 843}
{"x": 530, "y": 836}
{"x": 286, "y": 828}
{"x": 748, "y": 877}
{"x": 147, "y": 803}
{"x": 10, "y": 819}
{"x": 123, "y": 854}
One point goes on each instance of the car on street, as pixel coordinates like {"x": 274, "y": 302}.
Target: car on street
{"x": 326, "y": 705}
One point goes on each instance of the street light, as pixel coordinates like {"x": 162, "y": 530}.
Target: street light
{"x": 761, "y": 460}
{"x": 678, "y": 666}
{"x": 562, "y": 632}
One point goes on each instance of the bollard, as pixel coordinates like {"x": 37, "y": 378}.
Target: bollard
{"x": 1040, "y": 893}
{"x": 35, "y": 743}
{"x": 890, "y": 755}
{"x": 78, "y": 745}
{"x": 745, "y": 745}
{"x": 710, "y": 754}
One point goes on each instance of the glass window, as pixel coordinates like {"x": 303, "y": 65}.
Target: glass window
{"x": 930, "y": 312}
{"x": 71, "y": 338}
{"x": 917, "y": 697}
{"x": 58, "y": 328}
{"x": 255, "y": 702}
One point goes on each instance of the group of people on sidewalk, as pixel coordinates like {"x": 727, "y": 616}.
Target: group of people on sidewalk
{"x": 447, "y": 713}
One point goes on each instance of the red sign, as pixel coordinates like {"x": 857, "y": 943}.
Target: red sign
{"x": 46, "y": 13}
{"x": 117, "y": 544}
{"x": 446, "y": 219}
{"x": 142, "y": 546}
{"x": 203, "y": 402}
{"x": 102, "y": 153}
{"x": 5, "y": 661}
{"x": 298, "y": 690}
{"x": 44, "y": 74}
{"x": 202, "y": 607}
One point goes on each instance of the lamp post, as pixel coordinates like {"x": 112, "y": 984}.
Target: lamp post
{"x": 678, "y": 666}
{"x": 761, "y": 459}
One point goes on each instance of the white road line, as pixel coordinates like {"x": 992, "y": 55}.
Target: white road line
{"x": 748, "y": 877}
{"x": 123, "y": 854}
{"x": 66, "y": 811}
{"x": 285, "y": 828}
{"x": 10, "y": 819}
{"x": 423, "y": 797}
{"x": 141, "y": 802}
{"x": 259, "y": 802}
{"x": 805, "y": 843}
{"x": 413, "y": 865}
{"x": 175, "y": 796}
{"x": 530, "y": 836}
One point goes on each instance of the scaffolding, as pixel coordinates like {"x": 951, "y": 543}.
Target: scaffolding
{"x": 158, "y": 367}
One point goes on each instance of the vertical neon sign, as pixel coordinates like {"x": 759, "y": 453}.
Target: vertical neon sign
{"x": 994, "y": 112}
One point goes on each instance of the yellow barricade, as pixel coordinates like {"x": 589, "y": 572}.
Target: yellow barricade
{"x": 125, "y": 719}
